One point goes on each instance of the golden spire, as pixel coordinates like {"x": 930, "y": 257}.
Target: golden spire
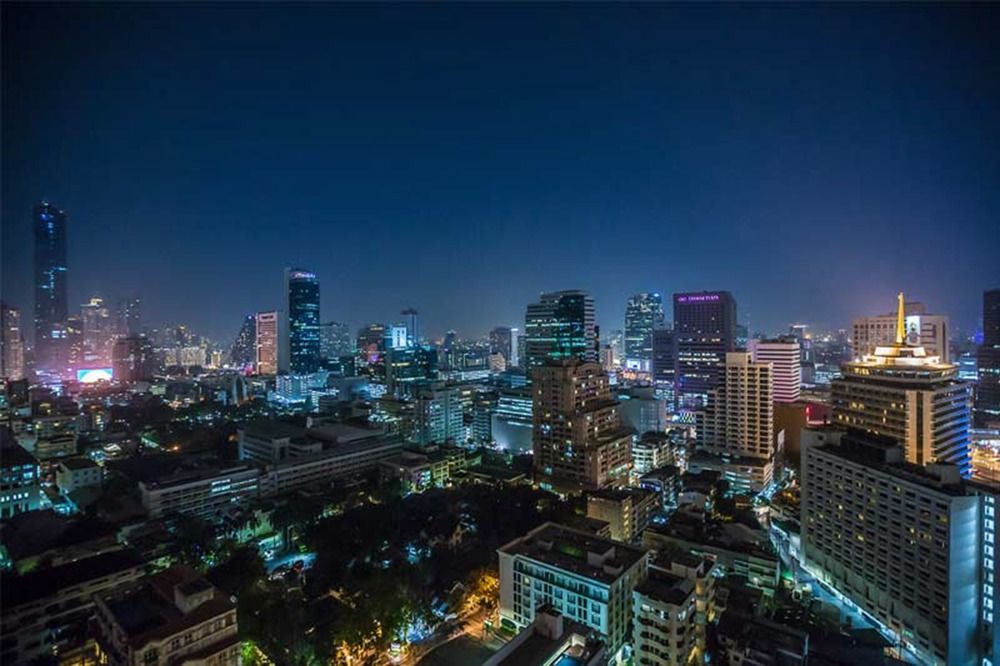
{"x": 900, "y": 323}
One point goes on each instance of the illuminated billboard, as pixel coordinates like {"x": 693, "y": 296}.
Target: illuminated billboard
{"x": 913, "y": 330}
{"x": 94, "y": 375}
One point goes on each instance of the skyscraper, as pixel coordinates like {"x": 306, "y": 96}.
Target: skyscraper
{"x": 643, "y": 315}
{"x": 98, "y": 333}
{"x": 501, "y": 342}
{"x": 738, "y": 421}
{"x": 578, "y": 439}
{"x": 664, "y": 361}
{"x": 302, "y": 290}
{"x": 129, "y": 317}
{"x": 988, "y": 358}
{"x": 412, "y": 326}
{"x": 271, "y": 358}
{"x": 784, "y": 355}
{"x": 560, "y": 326}
{"x": 133, "y": 359}
{"x": 371, "y": 342}
{"x": 50, "y": 287}
{"x": 243, "y": 353}
{"x": 11, "y": 344}
{"x": 704, "y": 330}
{"x": 902, "y": 392}
{"x": 335, "y": 340}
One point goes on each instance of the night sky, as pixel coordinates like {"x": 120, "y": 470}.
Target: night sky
{"x": 813, "y": 160}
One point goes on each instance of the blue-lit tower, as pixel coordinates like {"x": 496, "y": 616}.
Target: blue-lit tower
{"x": 302, "y": 289}
{"x": 50, "y": 288}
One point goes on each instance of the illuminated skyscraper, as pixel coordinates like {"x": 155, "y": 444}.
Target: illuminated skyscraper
{"x": 271, "y": 358}
{"x": 705, "y": 331}
{"x": 98, "y": 334}
{"x": 578, "y": 439}
{"x": 784, "y": 355}
{"x": 412, "y": 326}
{"x": 988, "y": 358}
{"x": 11, "y": 344}
{"x": 902, "y": 392}
{"x": 133, "y": 359}
{"x": 560, "y": 326}
{"x": 643, "y": 315}
{"x": 50, "y": 287}
{"x": 302, "y": 290}
{"x": 243, "y": 352}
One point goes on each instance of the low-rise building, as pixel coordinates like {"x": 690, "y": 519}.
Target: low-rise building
{"x": 46, "y": 611}
{"x": 431, "y": 467}
{"x": 19, "y": 481}
{"x": 627, "y": 510}
{"x": 552, "y": 639}
{"x": 75, "y": 473}
{"x": 665, "y": 482}
{"x": 173, "y": 617}
{"x": 208, "y": 492}
{"x": 586, "y": 578}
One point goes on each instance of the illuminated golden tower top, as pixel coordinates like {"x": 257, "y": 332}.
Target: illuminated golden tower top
{"x": 900, "y": 323}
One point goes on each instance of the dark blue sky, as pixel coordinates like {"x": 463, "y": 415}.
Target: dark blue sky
{"x": 812, "y": 159}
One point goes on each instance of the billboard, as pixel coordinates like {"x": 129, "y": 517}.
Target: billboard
{"x": 913, "y": 330}
{"x": 94, "y": 375}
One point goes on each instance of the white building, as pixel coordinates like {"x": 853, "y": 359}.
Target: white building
{"x": 75, "y": 473}
{"x": 626, "y": 510}
{"x": 913, "y": 546}
{"x": 586, "y": 578}
{"x": 438, "y": 417}
{"x": 785, "y": 358}
{"x": 207, "y": 493}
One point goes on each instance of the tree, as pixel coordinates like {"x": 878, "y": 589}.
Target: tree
{"x": 240, "y": 572}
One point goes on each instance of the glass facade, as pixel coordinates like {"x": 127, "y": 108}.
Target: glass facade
{"x": 302, "y": 288}
{"x": 50, "y": 287}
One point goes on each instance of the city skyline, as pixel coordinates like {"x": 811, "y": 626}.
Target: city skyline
{"x": 658, "y": 164}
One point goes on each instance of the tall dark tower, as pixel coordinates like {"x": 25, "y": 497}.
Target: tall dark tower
{"x": 988, "y": 387}
{"x": 302, "y": 288}
{"x": 704, "y": 330}
{"x": 50, "y": 287}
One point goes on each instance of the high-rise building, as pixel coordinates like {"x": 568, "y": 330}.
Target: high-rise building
{"x": 664, "y": 356}
{"x": 412, "y": 324}
{"x": 737, "y": 424}
{"x": 501, "y": 342}
{"x": 511, "y": 422}
{"x": 988, "y": 363}
{"x": 578, "y": 439}
{"x": 925, "y": 330}
{"x": 271, "y": 354}
{"x": 50, "y": 288}
{"x": 784, "y": 355}
{"x": 406, "y": 367}
{"x": 902, "y": 392}
{"x": 913, "y": 546}
{"x": 437, "y": 416}
{"x": 704, "y": 331}
{"x": 371, "y": 342}
{"x": 243, "y": 353}
{"x": 11, "y": 344}
{"x": 643, "y": 316}
{"x": 588, "y": 579}
{"x": 302, "y": 290}
{"x": 335, "y": 340}
{"x": 560, "y": 326}
{"x": 129, "y": 317}
{"x": 133, "y": 359}
{"x": 98, "y": 333}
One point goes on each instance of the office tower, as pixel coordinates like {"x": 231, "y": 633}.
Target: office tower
{"x": 133, "y": 359}
{"x": 902, "y": 392}
{"x": 925, "y": 330}
{"x": 371, "y": 342}
{"x": 335, "y": 340}
{"x": 516, "y": 348}
{"x": 578, "y": 439}
{"x": 406, "y": 367}
{"x": 302, "y": 289}
{"x": 672, "y": 609}
{"x": 704, "y": 331}
{"x": 912, "y": 546}
{"x": 664, "y": 364}
{"x": 270, "y": 356}
{"x": 98, "y": 333}
{"x": 587, "y": 578}
{"x": 501, "y": 342}
{"x": 437, "y": 416}
{"x": 243, "y": 353}
{"x": 412, "y": 326}
{"x": 397, "y": 337}
{"x": 560, "y": 326}
{"x": 129, "y": 317}
{"x": 70, "y": 352}
{"x": 643, "y": 315}
{"x": 988, "y": 361}
{"x": 738, "y": 422}
{"x": 784, "y": 355}
{"x": 511, "y": 422}
{"x": 11, "y": 344}
{"x": 641, "y": 410}
{"x": 50, "y": 287}
{"x": 450, "y": 340}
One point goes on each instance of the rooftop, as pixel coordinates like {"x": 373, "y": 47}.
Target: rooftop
{"x": 666, "y": 587}
{"x": 15, "y": 456}
{"x": 42, "y": 583}
{"x": 576, "y": 551}
{"x": 78, "y": 463}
